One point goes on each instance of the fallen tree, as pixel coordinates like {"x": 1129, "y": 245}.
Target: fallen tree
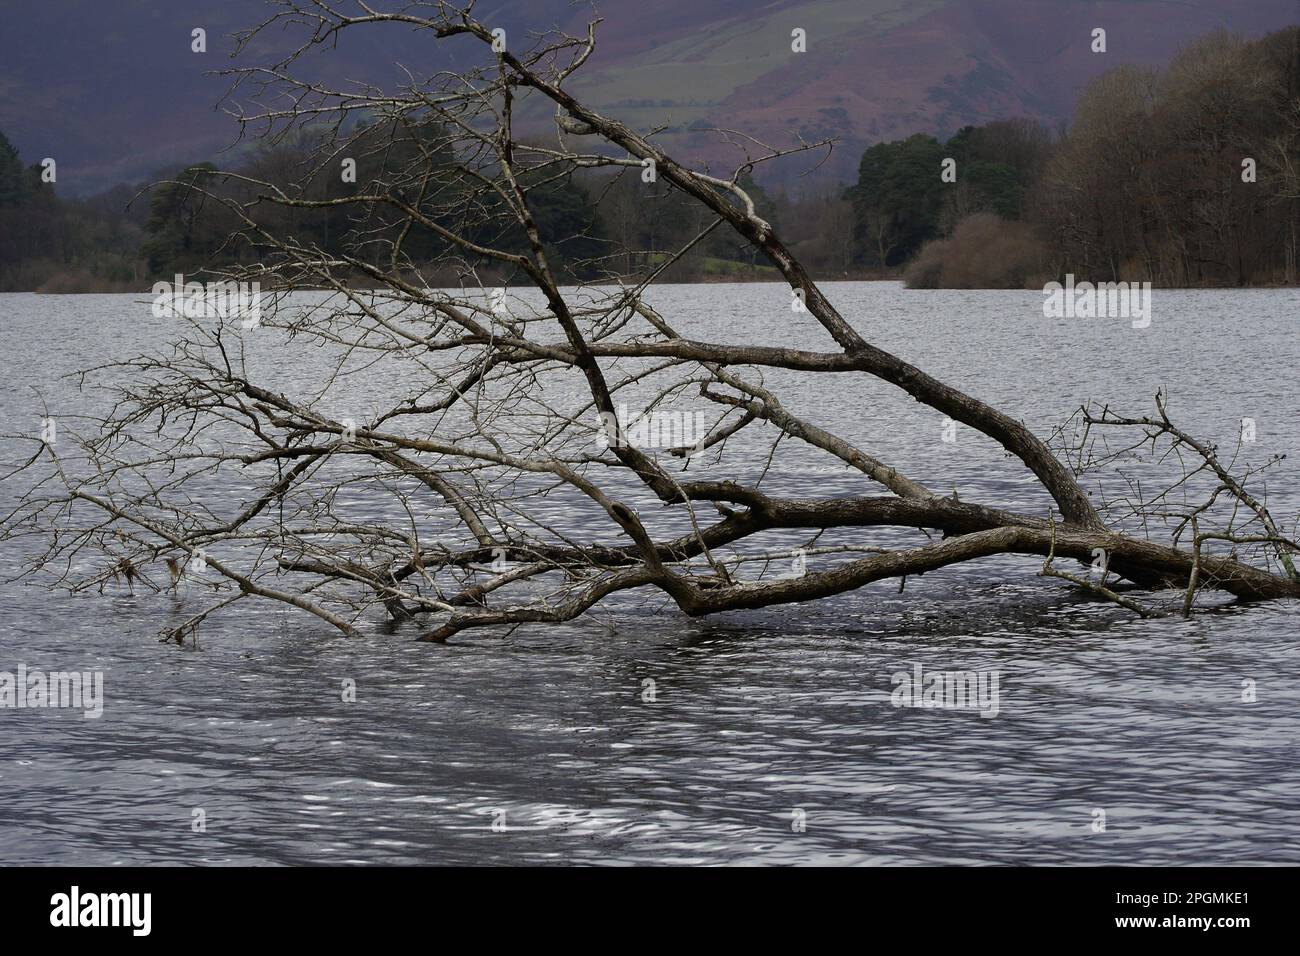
{"x": 491, "y": 443}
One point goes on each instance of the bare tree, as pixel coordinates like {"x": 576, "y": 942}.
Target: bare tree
{"x": 462, "y": 487}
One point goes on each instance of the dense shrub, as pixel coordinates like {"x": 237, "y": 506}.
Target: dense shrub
{"x": 984, "y": 252}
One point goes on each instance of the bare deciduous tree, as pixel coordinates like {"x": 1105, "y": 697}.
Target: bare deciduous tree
{"x": 465, "y": 492}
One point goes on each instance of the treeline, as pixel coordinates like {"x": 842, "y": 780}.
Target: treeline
{"x": 1189, "y": 175}
{"x": 57, "y": 245}
{"x": 199, "y": 219}
{"x": 1186, "y": 176}
{"x": 915, "y": 190}
{"x": 596, "y": 223}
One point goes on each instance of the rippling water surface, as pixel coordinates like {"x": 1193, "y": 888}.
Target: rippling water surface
{"x": 759, "y": 719}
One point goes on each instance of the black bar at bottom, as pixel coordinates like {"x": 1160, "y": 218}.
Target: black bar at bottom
{"x": 914, "y": 906}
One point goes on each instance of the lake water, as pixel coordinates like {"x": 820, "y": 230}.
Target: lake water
{"x": 771, "y": 738}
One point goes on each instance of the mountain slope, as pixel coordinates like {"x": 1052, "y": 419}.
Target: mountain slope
{"x": 113, "y": 91}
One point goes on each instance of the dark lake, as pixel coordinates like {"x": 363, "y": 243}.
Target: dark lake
{"x": 760, "y": 719}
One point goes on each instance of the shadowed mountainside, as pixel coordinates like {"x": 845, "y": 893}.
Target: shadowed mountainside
{"x": 114, "y": 91}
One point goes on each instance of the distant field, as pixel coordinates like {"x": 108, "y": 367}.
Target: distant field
{"x": 684, "y": 80}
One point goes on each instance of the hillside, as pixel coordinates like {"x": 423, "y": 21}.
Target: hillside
{"x": 114, "y": 93}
